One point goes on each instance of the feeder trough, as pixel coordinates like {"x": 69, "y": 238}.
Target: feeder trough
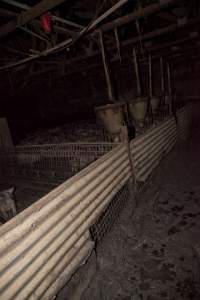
{"x": 112, "y": 116}
{"x": 155, "y": 101}
{"x": 138, "y": 110}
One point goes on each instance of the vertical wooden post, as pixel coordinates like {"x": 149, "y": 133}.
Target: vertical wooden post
{"x": 118, "y": 44}
{"x": 169, "y": 78}
{"x": 162, "y": 76}
{"x": 132, "y": 184}
{"x": 162, "y": 83}
{"x": 139, "y": 89}
{"x": 150, "y": 111}
{"x": 169, "y": 86}
{"x": 150, "y": 76}
{"x": 106, "y": 70}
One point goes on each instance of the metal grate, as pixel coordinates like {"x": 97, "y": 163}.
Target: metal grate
{"x": 55, "y": 162}
{"x": 106, "y": 220}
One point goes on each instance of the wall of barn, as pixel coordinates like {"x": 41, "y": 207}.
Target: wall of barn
{"x": 187, "y": 80}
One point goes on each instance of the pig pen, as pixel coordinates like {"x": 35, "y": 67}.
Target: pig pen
{"x": 44, "y": 245}
{"x": 35, "y": 170}
{"x": 46, "y": 158}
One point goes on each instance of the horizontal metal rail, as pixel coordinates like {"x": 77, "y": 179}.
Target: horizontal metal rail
{"x": 148, "y": 149}
{"x": 44, "y": 242}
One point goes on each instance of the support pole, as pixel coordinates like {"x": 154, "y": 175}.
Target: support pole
{"x": 162, "y": 82}
{"x": 118, "y": 44}
{"x": 106, "y": 70}
{"x": 150, "y": 110}
{"x": 169, "y": 87}
{"x": 139, "y": 89}
{"x": 150, "y": 77}
{"x": 162, "y": 76}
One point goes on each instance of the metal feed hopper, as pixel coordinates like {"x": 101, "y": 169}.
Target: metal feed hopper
{"x": 138, "y": 110}
{"x": 112, "y": 116}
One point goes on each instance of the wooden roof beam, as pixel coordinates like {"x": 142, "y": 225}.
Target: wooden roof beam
{"x": 54, "y": 18}
{"x": 29, "y": 15}
{"x": 141, "y": 12}
{"x": 9, "y": 14}
{"x": 147, "y": 36}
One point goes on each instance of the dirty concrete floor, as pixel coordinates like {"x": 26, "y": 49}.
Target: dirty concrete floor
{"x": 154, "y": 253}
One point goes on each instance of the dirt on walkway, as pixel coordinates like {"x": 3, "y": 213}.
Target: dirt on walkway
{"x": 154, "y": 253}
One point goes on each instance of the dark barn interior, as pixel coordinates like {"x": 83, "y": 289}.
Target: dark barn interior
{"x": 99, "y": 138}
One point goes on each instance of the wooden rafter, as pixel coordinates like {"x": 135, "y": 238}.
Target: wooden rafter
{"x": 141, "y": 12}
{"x": 29, "y": 15}
{"x": 70, "y": 41}
{"x": 147, "y": 36}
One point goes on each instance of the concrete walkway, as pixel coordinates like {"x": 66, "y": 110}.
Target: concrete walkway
{"x": 154, "y": 253}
